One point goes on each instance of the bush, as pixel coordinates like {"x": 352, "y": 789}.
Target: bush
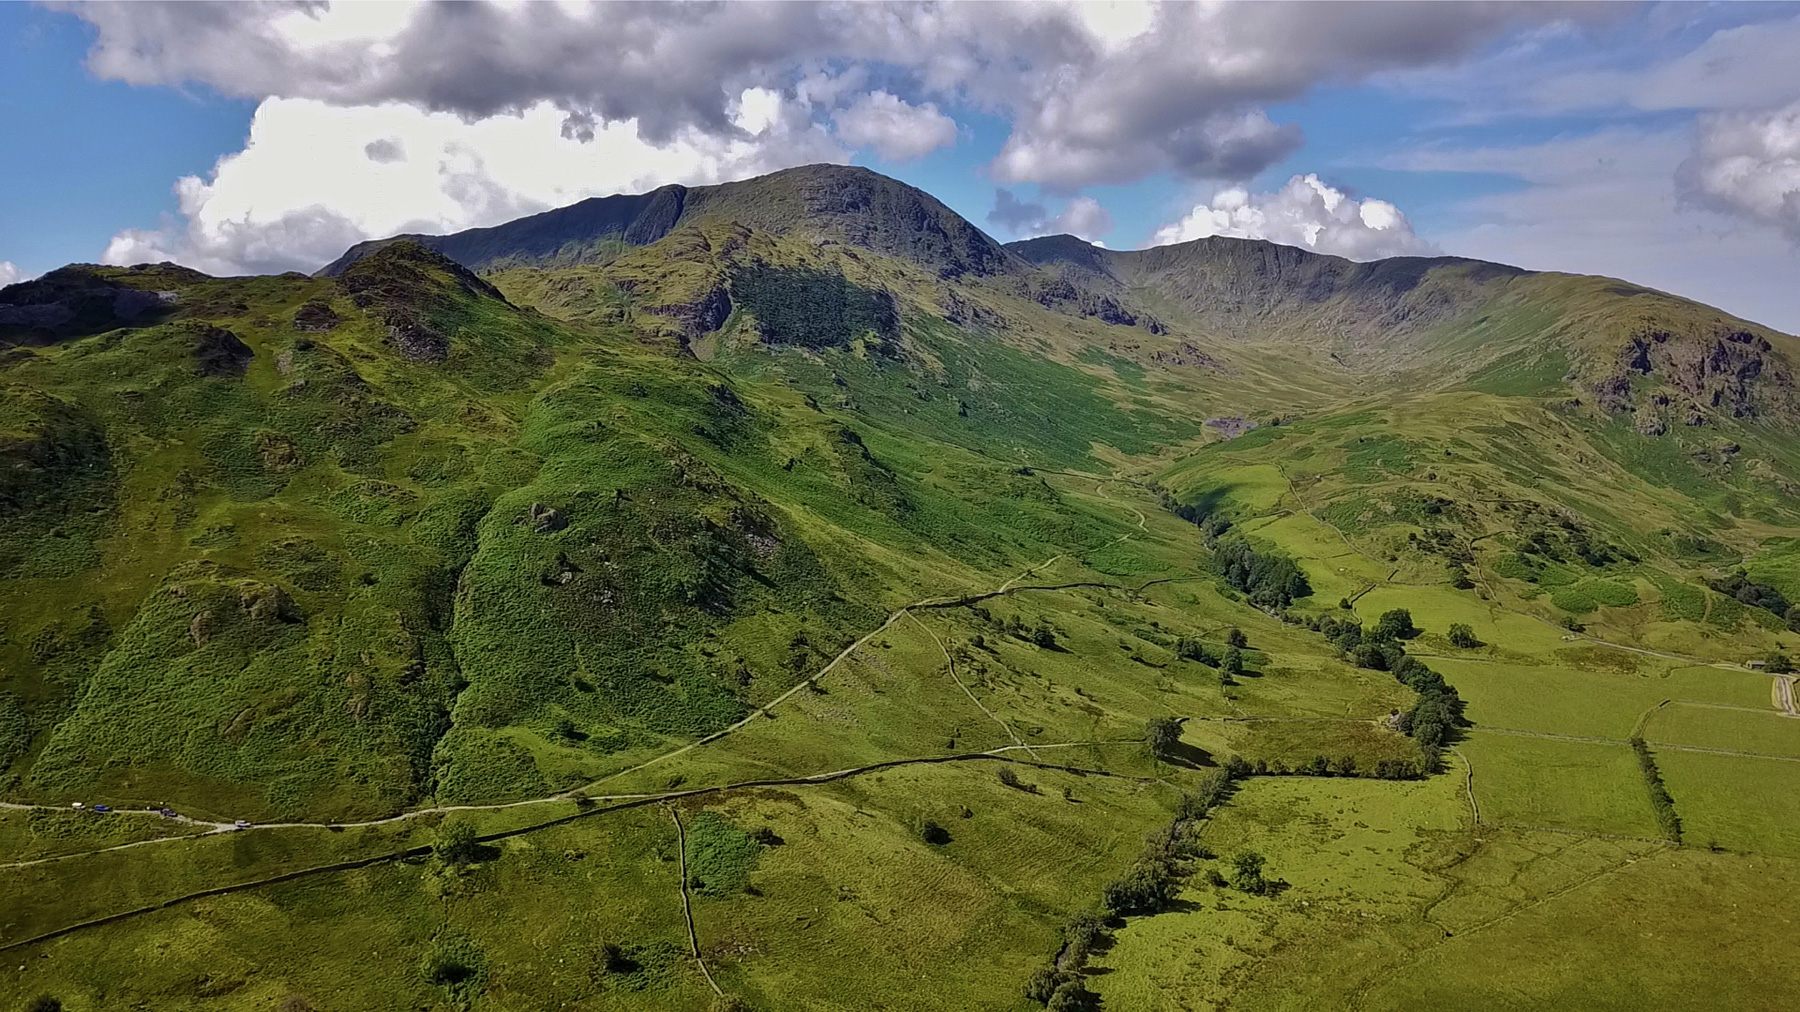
{"x": 1235, "y": 637}
{"x": 44, "y": 1003}
{"x": 1778, "y": 663}
{"x": 1145, "y": 889}
{"x": 1462, "y": 636}
{"x": 1246, "y": 873}
{"x": 933, "y": 833}
{"x": 1042, "y": 984}
{"x": 1072, "y": 996}
{"x": 453, "y": 962}
{"x": 456, "y": 844}
{"x": 1192, "y": 649}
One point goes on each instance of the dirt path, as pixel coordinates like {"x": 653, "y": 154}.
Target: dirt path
{"x": 1004, "y": 726}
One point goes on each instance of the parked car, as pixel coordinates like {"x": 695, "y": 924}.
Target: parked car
{"x": 241, "y": 824}
{"x": 103, "y": 809}
{"x": 167, "y": 813}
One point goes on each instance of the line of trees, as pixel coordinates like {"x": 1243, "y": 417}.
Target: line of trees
{"x": 1436, "y": 713}
{"x": 1147, "y": 887}
{"x": 1666, "y": 818}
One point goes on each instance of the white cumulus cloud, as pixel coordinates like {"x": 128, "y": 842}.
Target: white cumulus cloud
{"x": 1307, "y": 213}
{"x": 896, "y": 129}
{"x": 1747, "y": 164}
{"x": 315, "y": 178}
{"x": 10, "y": 273}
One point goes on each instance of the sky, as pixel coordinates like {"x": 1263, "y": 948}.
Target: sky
{"x": 1659, "y": 143}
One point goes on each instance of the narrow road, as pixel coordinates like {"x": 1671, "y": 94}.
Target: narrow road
{"x": 1783, "y": 690}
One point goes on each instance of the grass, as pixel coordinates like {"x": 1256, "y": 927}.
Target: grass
{"x": 1536, "y": 782}
{"x": 1735, "y": 802}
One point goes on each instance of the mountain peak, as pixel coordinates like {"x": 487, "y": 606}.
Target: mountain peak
{"x": 846, "y": 204}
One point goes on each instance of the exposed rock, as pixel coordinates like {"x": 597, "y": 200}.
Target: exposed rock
{"x": 1231, "y": 428}
{"x": 544, "y": 519}
{"x": 1188, "y": 355}
{"x": 414, "y": 338}
{"x": 200, "y": 630}
{"x": 316, "y": 317}
{"x": 263, "y": 602}
{"x": 219, "y": 352}
{"x": 1650, "y": 422}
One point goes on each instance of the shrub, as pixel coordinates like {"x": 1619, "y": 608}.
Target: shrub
{"x": 1009, "y": 778}
{"x": 456, "y": 844}
{"x": 453, "y": 962}
{"x": 1042, "y": 984}
{"x": 1072, "y": 996}
{"x": 1233, "y": 661}
{"x": 44, "y": 1003}
{"x": 1778, "y": 663}
{"x": 933, "y": 833}
{"x": 1145, "y": 889}
{"x": 1462, "y": 636}
{"x": 1235, "y": 637}
{"x": 1246, "y": 873}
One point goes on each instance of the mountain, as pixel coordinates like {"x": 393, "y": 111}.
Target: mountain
{"x": 825, "y": 203}
{"x": 783, "y": 578}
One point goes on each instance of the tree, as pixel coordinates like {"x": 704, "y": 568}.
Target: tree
{"x": 1246, "y": 873}
{"x": 1233, "y": 661}
{"x": 1778, "y": 663}
{"x": 1044, "y": 636}
{"x": 1071, "y": 996}
{"x": 456, "y": 844}
{"x": 1396, "y": 624}
{"x": 1462, "y": 636}
{"x": 933, "y": 833}
{"x": 1235, "y": 637}
{"x": 1192, "y": 649}
{"x": 1163, "y": 734}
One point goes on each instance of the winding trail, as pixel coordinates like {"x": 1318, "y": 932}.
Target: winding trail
{"x": 1010, "y": 733}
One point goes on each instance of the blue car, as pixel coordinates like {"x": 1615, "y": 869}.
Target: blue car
{"x": 103, "y": 808}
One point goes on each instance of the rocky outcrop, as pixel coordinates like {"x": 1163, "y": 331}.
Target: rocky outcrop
{"x": 1736, "y": 372}
{"x": 316, "y": 317}
{"x": 219, "y": 352}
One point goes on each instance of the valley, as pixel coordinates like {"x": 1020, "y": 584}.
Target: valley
{"x": 780, "y": 595}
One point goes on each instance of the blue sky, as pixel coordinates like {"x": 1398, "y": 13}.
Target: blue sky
{"x": 1654, "y": 142}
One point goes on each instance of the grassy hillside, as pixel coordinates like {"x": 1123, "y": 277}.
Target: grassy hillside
{"x": 778, "y": 595}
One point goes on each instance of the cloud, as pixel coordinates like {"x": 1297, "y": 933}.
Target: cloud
{"x": 10, "y": 273}
{"x": 897, "y": 130}
{"x": 385, "y": 149}
{"x": 1747, "y": 164}
{"x": 1606, "y": 203}
{"x": 1082, "y": 217}
{"x": 306, "y": 184}
{"x": 1305, "y": 213}
{"x": 1094, "y": 93}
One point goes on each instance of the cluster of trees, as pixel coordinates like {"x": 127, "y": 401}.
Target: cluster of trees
{"x": 1268, "y": 580}
{"x": 1212, "y": 522}
{"x": 1463, "y": 636}
{"x": 1758, "y": 595}
{"x": 1145, "y": 888}
{"x": 1230, "y": 661}
{"x": 1666, "y": 819}
{"x": 1043, "y": 634}
{"x": 1438, "y": 709}
{"x": 1778, "y": 663}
